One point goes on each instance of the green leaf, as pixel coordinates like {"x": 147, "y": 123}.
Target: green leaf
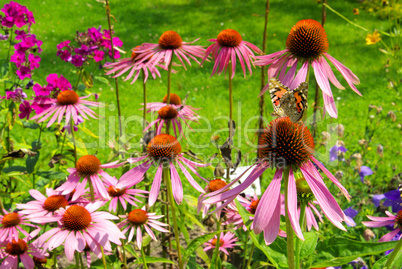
{"x": 197, "y": 243}
{"x": 30, "y": 125}
{"x": 51, "y": 174}
{"x": 87, "y": 131}
{"x": 396, "y": 264}
{"x": 192, "y": 264}
{"x": 336, "y": 251}
{"x": 20, "y": 169}
{"x": 102, "y": 79}
{"x": 31, "y": 162}
{"x": 149, "y": 259}
{"x": 309, "y": 244}
{"x": 87, "y": 79}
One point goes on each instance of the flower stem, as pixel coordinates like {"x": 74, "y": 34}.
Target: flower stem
{"x": 168, "y": 92}
{"x": 393, "y": 254}
{"x": 1, "y": 208}
{"x": 75, "y": 146}
{"x": 230, "y": 116}
{"x": 103, "y": 258}
{"x": 143, "y": 258}
{"x": 250, "y": 255}
{"x": 245, "y": 249}
{"x": 107, "y": 6}
{"x": 289, "y": 230}
{"x": 77, "y": 263}
{"x": 168, "y": 183}
{"x": 144, "y": 87}
{"x": 298, "y": 240}
{"x": 217, "y": 245}
{"x": 124, "y": 254}
{"x": 81, "y": 262}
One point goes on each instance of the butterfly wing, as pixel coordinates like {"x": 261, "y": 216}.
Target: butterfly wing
{"x": 277, "y": 90}
{"x": 294, "y": 103}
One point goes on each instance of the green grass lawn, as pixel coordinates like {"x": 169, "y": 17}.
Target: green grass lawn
{"x": 144, "y": 21}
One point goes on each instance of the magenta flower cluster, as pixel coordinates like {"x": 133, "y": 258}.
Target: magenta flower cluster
{"x": 92, "y": 44}
{"x": 16, "y": 15}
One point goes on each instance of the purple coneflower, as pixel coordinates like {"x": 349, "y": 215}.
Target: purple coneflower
{"x": 11, "y": 225}
{"x": 285, "y": 145}
{"x": 78, "y": 227}
{"x": 138, "y": 219}
{"x": 225, "y": 241}
{"x": 90, "y": 169}
{"x": 228, "y": 46}
{"x": 170, "y": 43}
{"x": 19, "y": 250}
{"x": 131, "y": 64}
{"x": 69, "y": 103}
{"x": 307, "y": 43}
{"x": 164, "y": 150}
{"x": 121, "y": 192}
{"x": 43, "y": 205}
{"x": 395, "y": 220}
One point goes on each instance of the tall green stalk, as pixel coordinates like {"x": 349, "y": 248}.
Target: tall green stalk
{"x": 143, "y": 258}
{"x": 168, "y": 183}
{"x": 393, "y": 254}
{"x": 230, "y": 116}
{"x": 75, "y": 146}
{"x": 144, "y": 92}
{"x": 289, "y": 230}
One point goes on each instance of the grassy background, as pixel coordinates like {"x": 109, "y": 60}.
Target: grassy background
{"x": 144, "y": 21}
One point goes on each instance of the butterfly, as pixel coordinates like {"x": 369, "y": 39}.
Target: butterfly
{"x": 287, "y": 102}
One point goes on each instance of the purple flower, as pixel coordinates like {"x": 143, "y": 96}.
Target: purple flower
{"x": 365, "y": 171}
{"x": 98, "y": 55}
{"x": 25, "y": 110}
{"x": 4, "y": 37}
{"x": 65, "y": 55}
{"x": 335, "y": 152}
{"x": 392, "y": 198}
{"x": 17, "y": 95}
{"x": 40, "y": 104}
{"x": 34, "y": 60}
{"x": 18, "y": 58}
{"x": 24, "y": 72}
{"x": 350, "y": 213}
{"x": 16, "y": 14}
{"x": 77, "y": 60}
{"x": 68, "y": 128}
{"x": 63, "y": 44}
{"x": 41, "y": 91}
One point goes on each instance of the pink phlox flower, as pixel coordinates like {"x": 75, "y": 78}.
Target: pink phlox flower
{"x": 170, "y": 44}
{"x": 80, "y": 226}
{"x": 17, "y": 95}
{"x": 170, "y": 156}
{"x": 227, "y": 48}
{"x": 90, "y": 168}
{"x": 25, "y": 110}
{"x": 16, "y": 14}
{"x": 225, "y": 241}
{"x": 98, "y": 55}
{"x": 24, "y": 72}
{"x": 138, "y": 219}
{"x": 11, "y": 224}
{"x": 122, "y": 192}
{"x": 41, "y": 91}
{"x": 40, "y": 104}
{"x": 68, "y": 103}
{"x": 19, "y": 250}
{"x": 298, "y": 51}
{"x": 392, "y": 220}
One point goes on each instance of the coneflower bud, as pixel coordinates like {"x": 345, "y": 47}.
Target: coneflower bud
{"x": 368, "y": 235}
{"x": 340, "y": 129}
{"x": 338, "y": 175}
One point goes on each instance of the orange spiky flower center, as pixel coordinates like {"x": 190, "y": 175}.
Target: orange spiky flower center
{"x": 398, "y": 218}
{"x": 215, "y": 240}
{"x": 167, "y": 112}
{"x": 16, "y": 248}
{"x": 39, "y": 261}
{"x": 138, "y": 217}
{"x": 54, "y": 202}
{"x": 229, "y": 38}
{"x": 253, "y": 206}
{"x": 284, "y": 143}
{"x": 163, "y": 147}
{"x": 174, "y": 99}
{"x": 216, "y": 184}
{"x": 76, "y": 218}
{"x": 115, "y": 192}
{"x": 11, "y": 219}
{"x": 88, "y": 165}
{"x": 307, "y": 39}
{"x": 170, "y": 40}
{"x": 68, "y": 97}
